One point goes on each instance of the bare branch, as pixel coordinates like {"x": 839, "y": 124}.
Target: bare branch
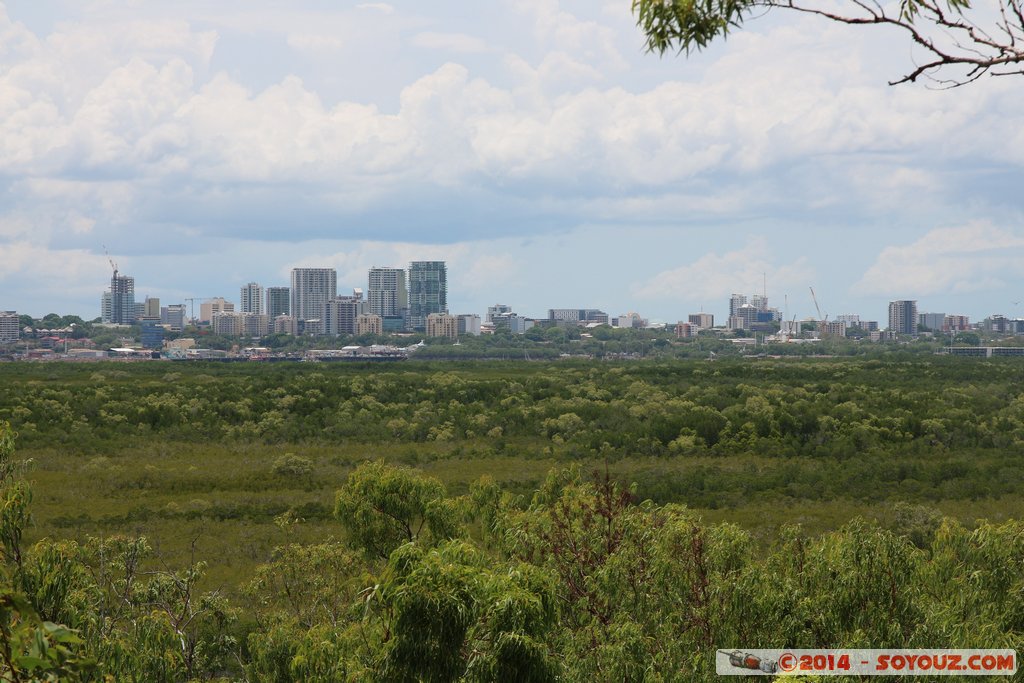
{"x": 953, "y": 36}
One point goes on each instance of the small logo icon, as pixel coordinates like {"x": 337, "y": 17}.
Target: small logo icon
{"x": 745, "y": 660}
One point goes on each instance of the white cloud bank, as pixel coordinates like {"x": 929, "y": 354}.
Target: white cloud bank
{"x": 713, "y": 277}
{"x": 969, "y": 258}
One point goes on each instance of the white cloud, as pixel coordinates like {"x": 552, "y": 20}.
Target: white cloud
{"x": 973, "y": 257}
{"x": 714, "y": 277}
{"x": 451, "y": 42}
{"x": 315, "y": 42}
{"x": 377, "y": 6}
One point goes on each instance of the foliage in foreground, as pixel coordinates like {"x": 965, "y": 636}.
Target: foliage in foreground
{"x": 579, "y": 583}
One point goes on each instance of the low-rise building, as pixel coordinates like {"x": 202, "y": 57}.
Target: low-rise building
{"x": 469, "y": 324}
{"x": 704, "y": 321}
{"x": 369, "y": 323}
{"x": 442, "y": 325}
{"x": 686, "y": 330}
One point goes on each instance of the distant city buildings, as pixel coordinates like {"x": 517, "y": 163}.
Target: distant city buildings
{"x": 311, "y": 289}
{"x": 369, "y": 323}
{"x": 428, "y": 291}
{"x": 578, "y": 315}
{"x": 118, "y": 304}
{"x": 151, "y": 332}
{"x": 285, "y": 324}
{"x": 469, "y": 324}
{"x": 508, "y": 320}
{"x": 340, "y": 314}
{"x": 173, "y": 316}
{"x": 704, "y": 321}
{"x": 388, "y": 296}
{"x": 629, "y": 321}
{"x": 151, "y": 307}
{"x": 10, "y": 328}
{"x": 251, "y": 299}
{"x": 239, "y": 324}
{"x": 442, "y": 325}
{"x": 496, "y": 310}
{"x": 278, "y": 301}
{"x": 755, "y": 315}
{"x": 686, "y": 330}
{"x": 931, "y": 321}
{"x": 218, "y": 304}
{"x": 903, "y": 317}
{"x": 956, "y": 323}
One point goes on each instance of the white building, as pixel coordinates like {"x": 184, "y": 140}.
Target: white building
{"x": 469, "y": 324}
{"x": 311, "y": 289}
{"x": 387, "y": 294}
{"x": 251, "y": 299}
{"x": 10, "y": 330}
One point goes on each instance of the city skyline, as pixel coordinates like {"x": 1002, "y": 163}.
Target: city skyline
{"x": 531, "y": 145}
{"x": 389, "y": 287}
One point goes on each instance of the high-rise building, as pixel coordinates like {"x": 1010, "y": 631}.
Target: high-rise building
{"x": 903, "y": 317}
{"x": 10, "y": 328}
{"x": 251, "y": 299}
{"x": 118, "y": 305}
{"x": 311, "y": 289}
{"x": 278, "y": 301}
{"x": 151, "y": 308}
{"x": 735, "y": 301}
{"x": 387, "y": 294}
{"x": 428, "y": 291}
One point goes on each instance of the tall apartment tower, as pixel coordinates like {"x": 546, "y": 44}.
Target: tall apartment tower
{"x": 428, "y": 291}
{"x": 903, "y": 317}
{"x": 278, "y": 301}
{"x": 735, "y": 301}
{"x": 251, "y": 299}
{"x": 387, "y": 295}
{"x": 118, "y": 305}
{"x": 312, "y": 288}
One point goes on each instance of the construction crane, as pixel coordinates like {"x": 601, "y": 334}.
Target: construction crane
{"x": 822, "y": 320}
{"x": 192, "y": 304}
{"x": 112, "y": 264}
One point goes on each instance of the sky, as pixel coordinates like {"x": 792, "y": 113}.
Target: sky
{"x": 533, "y": 145}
